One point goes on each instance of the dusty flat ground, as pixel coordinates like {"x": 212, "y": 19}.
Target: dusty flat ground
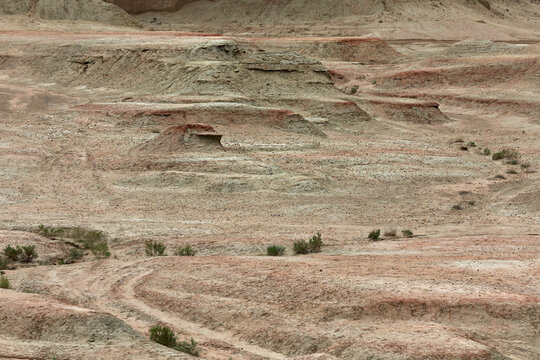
{"x": 333, "y": 135}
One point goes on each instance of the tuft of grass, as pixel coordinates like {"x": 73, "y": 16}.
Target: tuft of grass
{"x": 471, "y": 144}
{"x": 511, "y": 171}
{"x": 185, "y": 251}
{"x": 301, "y": 247}
{"x": 500, "y": 177}
{"x": 101, "y": 250}
{"x": 407, "y": 233}
{"x": 315, "y": 243}
{"x": 390, "y": 233}
{"x": 188, "y": 347}
{"x": 511, "y": 155}
{"x": 50, "y": 231}
{"x": 4, "y": 282}
{"x": 154, "y": 248}
{"x": 275, "y": 250}
{"x": 525, "y": 166}
{"x": 28, "y": 254}
{"x": 75, "y": 254}
{"x": 12, "y": 253}
{"x": 457, "y": 207}
{"x": 487, "y": 152}
{"x": 165, "y": 336}
{"x": 374, "y": 235}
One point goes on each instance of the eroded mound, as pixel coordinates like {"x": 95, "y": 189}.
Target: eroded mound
{"x": 181, "y": 136}
{"x": 53, "y": 329}
{"x": 89, "y": 10}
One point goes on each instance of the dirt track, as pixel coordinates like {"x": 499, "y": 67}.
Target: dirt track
{"x": 118, "y": 129}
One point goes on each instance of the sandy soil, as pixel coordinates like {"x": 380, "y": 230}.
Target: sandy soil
{"x": 230, "y": 143}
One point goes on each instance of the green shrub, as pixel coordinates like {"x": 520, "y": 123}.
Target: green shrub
{"x": 4, "y": 282}
{"x": 275, "y": 250}
{"x": 101, "y": 250}
{"x": 28, "y": 253}
{"x": 154, "y": 248}
{"x": 509, "y": 154}
{"x": 185, "y": 251}
{"x": 354, "y": 90}
{"x": 89, "y": 238}
{"x": 407, "y": 233}
{"x": 188, "y": 347}
{"x": 50, "y": 231}
{"x": 487, "y": 152}
{"x": 12, "y": 253}
{"x": 4, "y": 262}
{"x": 163, "y": 335}
{"x": 76, "y": 253}
{"x": 301, "y": 247}
{"x": 315, "y": 243}
{"x": 471, "y": 144}
{"x": 374, "y": 235}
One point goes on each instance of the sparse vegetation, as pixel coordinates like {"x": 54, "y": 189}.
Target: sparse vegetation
{"x": 407, "y": 233}
{"x": 487, "y": 152}
{"x": 511, "y": 155}
{"x": 500, "y": 177}
{"x": 101, "y": 250}
{"x": 275, "y": 250}
{"x": 353, "y": 90}
{"x": 165, "y": 336}
{"x": 390, "y": 233}
{"x": 24, "y": 254}
{"x": 188, "y": 347}
{"x": 185, "y": 251}
{"x": 4, "y": 282}
{"x": 457, "y": 207}
{"x": 525, "y": 166}
{"x": 50, "y": 231}
{"x": 374, "y": 235}
{"x": 511, "y": 171}
{"x": 4, "y": 262}
{"x": 153, "y": 248}
{"x": 471, "y": 144}
{"x": 301, "y": 247}
{"x": 12, "y": 253}
{"x": 28, "y": 254}
{"x": 76, "y": 253}
{"x": 88, "y": 237}
{"x": 315, "y": 244}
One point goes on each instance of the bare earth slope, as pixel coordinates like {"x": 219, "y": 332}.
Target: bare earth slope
{"x": 89, "y": 10}
{"x": 114, "y": 137}
{"x": 413, "y": 19}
